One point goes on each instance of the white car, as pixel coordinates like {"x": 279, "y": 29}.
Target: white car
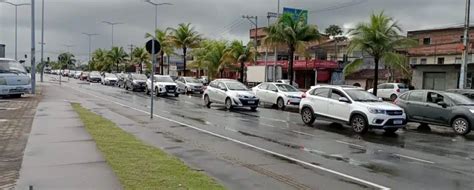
{"x": 231, "y": 93}
{"x": 278, "y": 94}
{"x": 164, "y": 85}
{"x": 390, "y": 91}
{"x": 286, "y": 81}
{"x": 77, "y": 74}
{"x": 109, "y": 79}
{"x": 349, "y": 105}
{"x": 14, "y": 80}
{"x": 189, "y": 85}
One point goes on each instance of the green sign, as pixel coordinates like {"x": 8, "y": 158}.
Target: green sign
{"x": 297, "y": 13}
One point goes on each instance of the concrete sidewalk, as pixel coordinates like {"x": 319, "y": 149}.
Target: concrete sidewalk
{"x": 60, "y": 154}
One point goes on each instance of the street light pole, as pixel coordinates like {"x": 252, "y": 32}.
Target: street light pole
{"x": 255, "y": 23}
{"x": 462, "y": 77}
{"x": 16, "y": 23}
{"x": 42, "y": 39}
{"x": 112, "y": 24}
{"x": 33, "y": 49}
{"x": 89, "y": 35}
{"x": 153, "y": 55}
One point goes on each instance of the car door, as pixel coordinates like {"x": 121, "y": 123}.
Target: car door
{"x": 433, "y": 112}
{"x": 336, "y": 109}
{"x": 415, "y": 105}
{"x": 381, "y": 90}
{"x": 388, "y": 91}
{"x": 318, "y": 100}
{"x": 261, "y": 91}
{"x": 211, "y": 91}
{"x": 180, "y": 83}
{"x": 221, "y": 92}
{"x": 272, "y": 94}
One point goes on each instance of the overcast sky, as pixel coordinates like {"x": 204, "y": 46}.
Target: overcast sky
{"x": 65, "y": 20}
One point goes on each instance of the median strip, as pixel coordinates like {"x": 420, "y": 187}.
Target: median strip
{"x": 138, "y": 165}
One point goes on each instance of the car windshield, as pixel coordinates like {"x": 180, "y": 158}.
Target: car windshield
{"x": 402, "y": 86}
{"x": 139, "y": 77}
{"x": 236, "y": 86}
{"x": 7, "y": 66}
{"x": 286, "y": 88}
{"x": 163, "y": 79}
{"x": 360, "y": 95}
{"x": 192, "y": 80}
{"x": 110, "y": 75}
{"x": 459, "y": 99}
{"x": 94, "y": 73}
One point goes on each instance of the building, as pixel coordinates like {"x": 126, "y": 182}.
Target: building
{"x": 436, "y": 60}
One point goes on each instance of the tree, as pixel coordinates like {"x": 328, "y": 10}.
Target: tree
{"x": 66, "y": 60}
{"x": 117, "y": 55}
{"x": 292, "y": 32}
{"x": 238, "y": 53}
{"x": 100, "y": 61}
{"x": 333, "y": 31}
{"x": 141, "y": 56}
{"x": 380, "y": 38}
{"x": 199, "y": 56}
{"x": 184, "y": 37}
{"x": 162, "y": 36}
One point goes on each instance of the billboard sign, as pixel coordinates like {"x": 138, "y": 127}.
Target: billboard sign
{"x": 296, "y": 13}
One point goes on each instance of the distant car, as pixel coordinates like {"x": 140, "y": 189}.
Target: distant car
{"x": 135, "y": 82}
{"x": 439, "y": 108}
{"x": 350, "y": 105}
{"x": 14, "y": 80}
{"x": 109, "y": 79}
{"x": 231, "y": 93}
{"x": 174, "y": 78}
{"x": 286, "y": 81}
{"x": 121, "y": 77}
{"x": 163, "y": 85}
{"x": 204, "y": 80}
{"x": 94, "y": 76}
{"x": 465, "y": 92}
{"x": 84, "y": 76}
{"x": 189, "y": 85}
{"x": 278, "y": 94}
{"x": 390, "y": 91}
{"x": 78, "y": 74}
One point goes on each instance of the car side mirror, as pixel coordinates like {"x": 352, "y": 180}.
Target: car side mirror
{"x": 224, "y": 89}
{"x": 275, "y": 90}
{"x": 381, "y": 99}
{"x": 344, "y": 99}
{"x": 442, "y": 104}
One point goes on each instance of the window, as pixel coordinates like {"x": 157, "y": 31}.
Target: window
{"x": 389, "y": 86}
{"x": 458, "y": 60}
{"x": 221, "y": 86}
{"x": 440, "y": 60}
{"x": 423, "y": 61}
{"x": 272, "y": 87}
{"x": 213, "y": 84}
{"x": 416, "y": 96}
{"x": 426, "y": 41}
{"x": 336, "y": 94}
{"x": 434, "y": 98}
{"x": 322, "y": 92}
{"x": 413, "y": 61}
{"x": 404, "y": 96}
{"x": 382, "y": 86}
{"x": 263, "y": 86}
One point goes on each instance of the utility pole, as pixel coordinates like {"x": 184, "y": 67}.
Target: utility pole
{"x": 33, "y": 49}
{"x": 42, "y": 39}
{"x": 89, "y": 35}
{"x": 16, "y": 23}
{"x": 131, "y": 51}
{"x": 112, "y": 24}
{"x": 462, "y": 77}
{"x": 254, "y": 22}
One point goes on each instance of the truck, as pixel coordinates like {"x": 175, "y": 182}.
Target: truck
{"x": 256, "y": 74}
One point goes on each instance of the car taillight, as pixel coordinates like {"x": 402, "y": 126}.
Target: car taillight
{"x": 398, "y": 90}
{"x": 303, "y": 96}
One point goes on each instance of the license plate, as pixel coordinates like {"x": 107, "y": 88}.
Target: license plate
{"x": 398, "y": 122}
{"x": 251, "y": 102}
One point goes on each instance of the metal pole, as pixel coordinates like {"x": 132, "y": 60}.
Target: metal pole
{"x": 112, "y": 36}
{"x": 266, "y": 52}
{"x": 153, "y": 55}
{"x": 275, "y": 52}
{"x": 33, "y": 48}
{"x": 16, "y": 33}
{"x": 462, "y": 77}
{"x": 90, "y": 51}
{"x": 42, "y": 38}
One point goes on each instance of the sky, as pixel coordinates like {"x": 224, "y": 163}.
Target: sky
{"x": 66, "y": 20}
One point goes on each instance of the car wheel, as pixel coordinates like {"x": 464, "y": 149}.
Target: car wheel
{"x": 176, "y": 95}
{"x": 393, "y": 97}
{"x": 228, "y": 104}
{"x": 15, "y": 96}
{"x": 461, "y": 126}
{"x": 280, "y": 103}
{"x": 391, "y": 130}
{"x": 253, "y": 108}
{"x": 147, "y": 92}
{"x": 307, "y": 116}
{"x": 359, "y": 124}
{"x": 207, "y": 102}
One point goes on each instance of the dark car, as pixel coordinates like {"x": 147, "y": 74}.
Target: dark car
{"x": 94, "y": 76}
{"x": 438, "y": 108}
{"x": 135, "y": 82}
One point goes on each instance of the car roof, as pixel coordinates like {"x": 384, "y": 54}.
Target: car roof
{"x": 162, "y": 76}
{"x": 340, "y": 87}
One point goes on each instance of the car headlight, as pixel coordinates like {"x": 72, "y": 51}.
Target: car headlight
{"x": 3, "y": 81}
{"x": 471, "y": 110}
{"x": 376, "y": 111}
{"x": 240, "y": 96}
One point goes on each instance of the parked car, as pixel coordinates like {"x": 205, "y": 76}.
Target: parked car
{"x": 163, "y": 85}
{"x": 121, "y": 77}
{"x": 350, "y": 105}
{"x": 109, "y": 79}
{"x": 231, "y": 93}
{"x": 14, "y": 80}
{"x": 465, "y": 92}
{"x": 71, "y": 74}
{"x": 390, "y": 91}
{"x": 439, "y": 108}
{"x": 204, "y": 80}
{"x": 286, "y": 81}
{"x": 135, "y": 82}
{"x": 189, "y": 85}
{"x": 78, "y": 74}
{"x": 278, "y": 94}
{"x": 84, "y": 76}
{"x": 94, "y": 76}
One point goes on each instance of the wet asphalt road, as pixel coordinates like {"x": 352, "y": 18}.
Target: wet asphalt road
{"x": 411, "y": 159}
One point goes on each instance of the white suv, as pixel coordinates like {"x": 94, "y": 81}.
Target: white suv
{"x": 390, "y": 91}
{"x": 231, "y": 93}
{"x": 164, "y": 85}
{"x": 351, "y": 105}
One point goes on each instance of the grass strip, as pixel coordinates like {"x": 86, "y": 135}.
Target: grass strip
{"x": 138, "y": 165}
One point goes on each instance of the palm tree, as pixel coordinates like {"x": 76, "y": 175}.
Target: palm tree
{"x": 379, "y": 38}
{"x": 184, "y": 37}
{"x": 199, "y": 54}
{"x": 334, "y": 31}
{"x": 117, "y": 55}
{"x": 140, "y": 56}
{"x": 100, "y": 61}
{"x": 238, "y": 53}
{"x": 292, "y": 32}
{"x": 66, "y": 60}
{"x": 162, "y": 36}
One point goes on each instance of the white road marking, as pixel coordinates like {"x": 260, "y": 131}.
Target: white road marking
{"x": 351, "y": 144}
{"x": 249, "y": 145}
{"x": 413, "y": 158}
{"x": 302, "y": 133}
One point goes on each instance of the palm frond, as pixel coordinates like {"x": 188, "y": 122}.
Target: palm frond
{"x": 353, "y": 66}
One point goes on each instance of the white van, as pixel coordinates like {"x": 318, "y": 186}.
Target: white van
{"x": 14, "y": 79}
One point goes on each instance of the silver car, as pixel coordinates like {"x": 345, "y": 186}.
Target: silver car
{"x": 189, "y": 85}
{"x": 231, "y": 93}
